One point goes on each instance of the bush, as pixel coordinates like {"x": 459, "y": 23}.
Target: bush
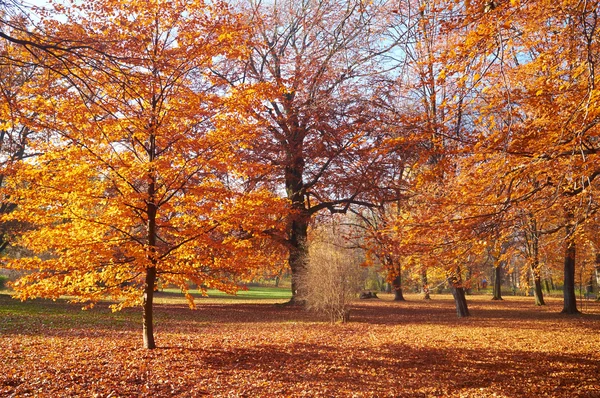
{"x": 332, "y": 280}
{"x": 3, "y": 280}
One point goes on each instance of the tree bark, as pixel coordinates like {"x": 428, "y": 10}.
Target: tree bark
{"x": 570, "y": 300}
{"x": 462, "y": 310}
{"x": 468, "y": 277}
{"x": 426, "y": 295}
{"x": 151, "y": 210}
{"x": 298, "y": 256}
{"x": 397, "y": 284}
{"x": 535, "y": 271}
{"x": 597, "y": 269}
{"x": 497, "y": 291}
{"x": 537, "y": 291}
{"x": 148, "y": 329}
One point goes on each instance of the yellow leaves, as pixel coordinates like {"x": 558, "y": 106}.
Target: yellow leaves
{"x": 442, "y": 76}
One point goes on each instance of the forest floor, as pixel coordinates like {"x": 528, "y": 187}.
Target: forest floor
{"x": 245, "y": 348}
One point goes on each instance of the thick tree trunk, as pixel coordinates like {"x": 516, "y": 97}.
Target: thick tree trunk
{"x": 462, "y": 310}
{"x": 298, "y": 257}
{"x": 497, "y": 291}
{"x": 148, "y": 329}
{"x": 570, "y": 300}
{"x": 300, "y": 216}
{"x": 397, "y": 287}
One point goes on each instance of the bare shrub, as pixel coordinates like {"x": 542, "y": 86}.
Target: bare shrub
{"x": 333, "y": 278}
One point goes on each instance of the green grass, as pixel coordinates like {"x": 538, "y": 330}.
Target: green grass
{"x": 253, "y": 293}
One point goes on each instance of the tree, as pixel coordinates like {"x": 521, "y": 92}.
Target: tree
{"x": 135, "y": 187}
{"x": 320, "y": 63}
{"x": 14, "y": 136}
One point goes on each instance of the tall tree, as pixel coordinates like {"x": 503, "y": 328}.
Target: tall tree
{"x": 321, "y": 62}
{"x": 135, "y": 186}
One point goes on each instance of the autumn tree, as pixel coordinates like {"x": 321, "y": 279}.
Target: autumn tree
{"x": 14, "y": 136}
{"x": 135, "y": 187}
{"x": 320, "y": 63}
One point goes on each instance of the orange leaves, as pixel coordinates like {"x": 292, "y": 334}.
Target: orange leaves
{"x": 137, "y": 170}
{"x": 52, "y": 349}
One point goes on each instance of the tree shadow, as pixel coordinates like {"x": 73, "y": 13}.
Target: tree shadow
{"x": 406, "y": 371}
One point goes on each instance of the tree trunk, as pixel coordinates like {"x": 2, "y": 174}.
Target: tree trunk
{"x": 570, "y": 300}
{"x": 462, "y": 310}
{"x": 536, "y": 272}
{"x": 547, "y": 285}
{"x": 497, "y": 294}
{"x": 148, "y": 329}
{"x": 597, "y": 269}
{"x": 298, "y": 256}
{"x": 468, "y": 278}
{"x": 300, "y": 216}
{"x": 397, "y": 284}
{"x": 397, "y": 281}
{"x": 537, "y": 291}
{"x": 151, "y": 210}
{"x": 537, "y": 278}
{"x": 426, "y": 295}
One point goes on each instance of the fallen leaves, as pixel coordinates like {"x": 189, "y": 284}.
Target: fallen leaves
{"x": 414, "y": 349}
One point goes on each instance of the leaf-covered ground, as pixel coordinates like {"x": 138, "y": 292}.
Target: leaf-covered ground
{"x": 244, "y": 349}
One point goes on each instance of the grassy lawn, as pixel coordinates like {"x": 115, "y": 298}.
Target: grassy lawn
{"x": 248, "y": 346}
{"x": 254, "y": 293}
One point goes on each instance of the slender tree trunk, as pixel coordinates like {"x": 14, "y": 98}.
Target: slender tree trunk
{"x": 497, "y": 291}
{"x": 537, "y": 290}
{"x": 570, "y": 300}
{"x": 151, "y": 210}
{"x": 426, "y": 295}
{"x": 468, "y": 277}
{"x": 462, "y": 310}
{"x": 537, "y": 283}
{"x": 547, "y": 285}
{"x": 597, "y": 269}
{"x": 536, "y": 272}
{"x": 148, "y": 329}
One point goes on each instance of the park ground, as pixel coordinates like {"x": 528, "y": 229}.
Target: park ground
{"x": 250, "y": 346}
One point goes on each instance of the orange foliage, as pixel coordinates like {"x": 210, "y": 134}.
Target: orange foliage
{"x": 412, "y": 349}
{"x": 137, "y": 179}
